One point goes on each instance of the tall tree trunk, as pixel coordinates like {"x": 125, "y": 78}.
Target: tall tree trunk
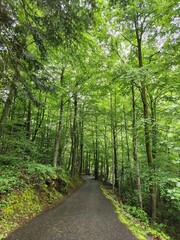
{"x": 81, "y": 142}
{"x": 87, "y": 163}
{"x": 150, "y": 160}
{"x": 121, "y": 179}
{"x": 143, "y": 91}
{"x": 114, "y": 138}
{"x": 39, "y": 121}
{"x": 135, "y": 153}
{"x": 74, "y": 138}
{"x": 106, "y": 154}
{"x": 6, "y": 108}
{"x": 154, "y": 127}
{"x": 28, "y": 122}
{"x": 127, "y": 146}
{"x": 58, "y": 136}
{"x": 154, "y": 152}
{"x": 115, "y": 159}
{"x": 96, "y": 154}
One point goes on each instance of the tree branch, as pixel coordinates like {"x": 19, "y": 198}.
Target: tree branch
{"x": 129, "y": 41}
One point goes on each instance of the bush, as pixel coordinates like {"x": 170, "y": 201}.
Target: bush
{"x": 138, "y": 213}
{"x": 20, "y": 175}
{"x": 38, "y": 173}
{"x": 9, "y": 179}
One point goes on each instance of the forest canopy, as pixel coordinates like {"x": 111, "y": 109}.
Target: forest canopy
{"x": 92, "y": 87}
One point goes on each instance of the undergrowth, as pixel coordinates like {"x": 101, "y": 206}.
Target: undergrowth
{"x": 136, "y": 219}
{"x": 26, "y": 189}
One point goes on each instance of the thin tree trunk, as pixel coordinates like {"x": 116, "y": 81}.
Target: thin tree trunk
{"x": 106, "y": 154}
{"x": 67, "y": 136}
{"x": 28, "y": 123}
{"x": 58, "y": 136}
{"x": 115, "y": 159}
{"x": 40, "y": 115}
{"x": 127, "y": 145}
{"x": 81, "y": 142}
{"x": 96, "y": 169}
{"x": 154, "y": 128}
{"x": 122, "y": 162}
{"x": 114, "y": 138}
{"x": 150, "y": 161}
{"x": 135, "y": 153}
{"x": 6, "y": 108}
{"x": 74, "y": 138}
{"x": 87, "y": 163}
{"x": 71, "y": 119}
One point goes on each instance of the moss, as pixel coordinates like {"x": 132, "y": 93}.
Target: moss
{"x": 139, "y": 228}
{"x": 121, "y": 216}
{"x": 20, "y": 206}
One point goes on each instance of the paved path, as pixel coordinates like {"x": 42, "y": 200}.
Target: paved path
{"x": 86, "y": 215}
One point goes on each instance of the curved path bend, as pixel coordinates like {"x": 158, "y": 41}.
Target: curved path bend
{"x": 85, "y": 215}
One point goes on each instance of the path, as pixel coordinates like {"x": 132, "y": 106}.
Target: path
{"x": 86, "y": 215}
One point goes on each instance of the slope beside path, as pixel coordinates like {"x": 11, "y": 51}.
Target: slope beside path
{"x": 86, "y": 215}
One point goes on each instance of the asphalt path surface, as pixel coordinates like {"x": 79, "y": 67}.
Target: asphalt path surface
{"x": 86, "y": 215}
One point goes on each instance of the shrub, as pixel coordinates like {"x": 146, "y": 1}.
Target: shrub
{"x": 137, "y": 213}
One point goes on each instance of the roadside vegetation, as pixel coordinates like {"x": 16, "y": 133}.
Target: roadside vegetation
{"x": 136, "y": 219}
{"x": 27, "y": 189}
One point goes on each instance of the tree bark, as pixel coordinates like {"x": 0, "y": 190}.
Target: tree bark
{"x": 143, "y": 92}
{"x": 121, "y": 179}
{"x": 154, "y": 127}
{"x": 81, "y": 142}
{"x": 106, "y": 154}
{"x": 135, "y": 153}
{"x": 127, "y": 146}
{"x": 40, "y": 115}
{"x": 114, "y": 139}
{"x": 28, "y": 122}
{"x": 58, "y": 136}
{"x": 74, "y": 138}
{"x": 6, "y": 108}
{"x": 96, "y": 154}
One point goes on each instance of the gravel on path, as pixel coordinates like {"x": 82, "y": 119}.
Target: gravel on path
{"x": 85, "y": 215}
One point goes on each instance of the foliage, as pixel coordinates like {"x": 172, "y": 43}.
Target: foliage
{"x": 27, "y": 189}
{"x": 23, "y": 205}
{"x": 138, "y": 213}
{"x": 20, "y": 175}
{"x": 136, "y": 219}
{"x": 94, "y": 85}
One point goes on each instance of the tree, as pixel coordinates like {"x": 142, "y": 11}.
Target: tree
{"x": 92, "y": 89}
{"x": 137, "y": 17}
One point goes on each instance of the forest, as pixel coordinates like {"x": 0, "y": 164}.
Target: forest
{"x": 92, "y": 87}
